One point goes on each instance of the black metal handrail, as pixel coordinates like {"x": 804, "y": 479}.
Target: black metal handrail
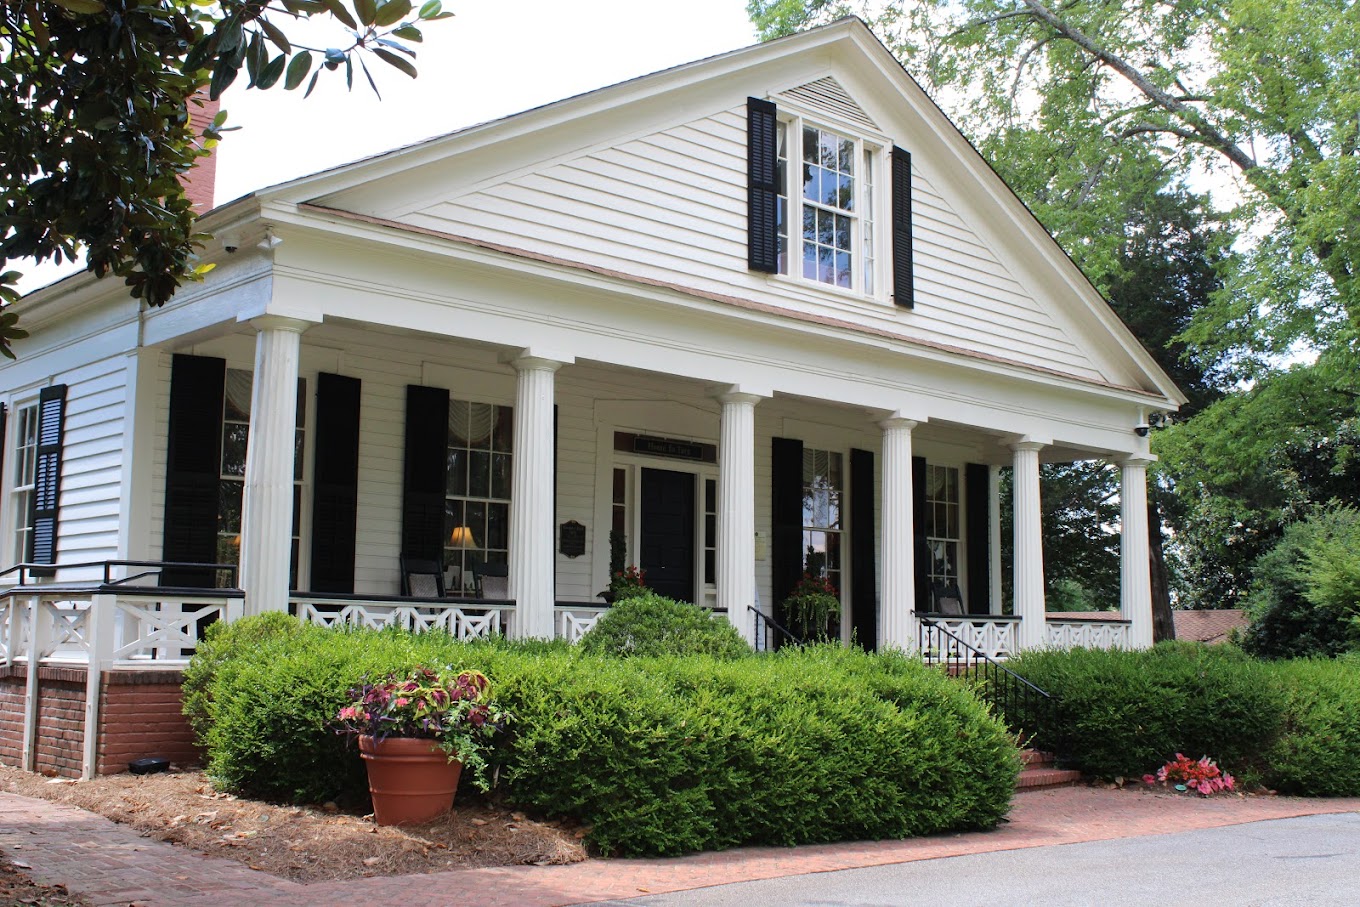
{"x": 25, "y": 570}
{"x": 769, "y": 623}
{"x": 1030, "y": 712}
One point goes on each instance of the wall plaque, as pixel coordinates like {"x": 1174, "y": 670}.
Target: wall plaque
{"x": 573, "y": 538}
{"x": 668, "y": 447}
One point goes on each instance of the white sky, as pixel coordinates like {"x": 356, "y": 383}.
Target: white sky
{"x": 490, "y": 60}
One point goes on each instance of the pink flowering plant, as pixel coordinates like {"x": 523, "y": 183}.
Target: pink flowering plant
{"x": 452, "y": 708}
{"x": 1183, "y": 773}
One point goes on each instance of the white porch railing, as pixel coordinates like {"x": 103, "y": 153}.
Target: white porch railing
{"x": 571, "y": 622}
{"x": 102, "y": 626}
{"x": 1087, "y": 634}
{"x": 991, "y": 635}
{"x": 461, "y": 620}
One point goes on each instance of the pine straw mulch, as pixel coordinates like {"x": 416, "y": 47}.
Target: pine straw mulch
{"x": 305, "y": 844}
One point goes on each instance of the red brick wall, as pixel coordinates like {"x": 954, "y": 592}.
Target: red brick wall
{"x": 139, "y": 715}
{"x": 12, "y": 682}
{"x": 200, "y": 182}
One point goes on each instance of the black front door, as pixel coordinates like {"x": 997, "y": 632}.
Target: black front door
{"x": 667, "y": 548}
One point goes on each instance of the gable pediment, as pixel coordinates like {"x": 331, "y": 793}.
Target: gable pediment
{"x": 648, "y": 179}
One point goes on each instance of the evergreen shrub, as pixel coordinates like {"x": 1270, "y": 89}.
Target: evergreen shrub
{"x": 1318, "y": 754}
{"x": 656, "y": 755}
{"x": 647, "y": 624}
{"x": 1125, "y": 713}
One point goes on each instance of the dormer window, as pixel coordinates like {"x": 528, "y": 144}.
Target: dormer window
{"x": 832, "y": 206}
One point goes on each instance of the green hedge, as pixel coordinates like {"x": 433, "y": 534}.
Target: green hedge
{"x": 648, "y": 624}
{"x": 1290, "y": 725}
{"x": 656, "y": 755}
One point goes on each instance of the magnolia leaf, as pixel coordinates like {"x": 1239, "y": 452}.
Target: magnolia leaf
{"x": 275, "y": 35}
{"x": 392, "y": 12}
{"x": 204, "y": 268}
{"x": 297, "y": 70}
{"x": 271, "y": 72}
{"x": 10, "y": 277}
{"x": 83, "y": 7}
{"x": 312, "y": 84}
{"x": 368, "y": 75}
{"x": 409, "y": 33}
{"x": 223, "y": 75}
{"x": 400, "y": 48}
{"x": 367, "y": 10}
{"x": 395, "y": 61}
{"x": 431, "y": 9}
{"x": 338, "y": 10}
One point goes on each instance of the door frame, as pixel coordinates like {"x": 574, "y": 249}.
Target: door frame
{"x": 707, "y": 593}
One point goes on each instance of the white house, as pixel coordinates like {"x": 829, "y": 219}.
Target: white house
{"x": 761, "y": 314}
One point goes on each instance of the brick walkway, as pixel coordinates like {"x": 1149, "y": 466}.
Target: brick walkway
{"x": 113, "y": 865}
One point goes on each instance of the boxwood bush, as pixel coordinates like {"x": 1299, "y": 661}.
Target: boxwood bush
{"x": 656, "y": 755}
{"x": 1318, "y": 754}
{"x": 649, "y": 624}
{"x": 1290, "y": 725}
{"x": 1126, "y": 713}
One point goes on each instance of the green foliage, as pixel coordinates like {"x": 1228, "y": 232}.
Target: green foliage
{"x": 221, "y": 648}
{"x": 656, "y": 755}
{"x": 1125, "y": 713}
{"x": 1319, "y": 753}
{"x": 1305, "y": 597}
{"x": 94, "y": 119}
{"x": 648, "y": 624}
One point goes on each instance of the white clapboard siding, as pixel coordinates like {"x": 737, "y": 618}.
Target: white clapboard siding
{"x": 672, "y": 206}
{"x": 92, "y": 464}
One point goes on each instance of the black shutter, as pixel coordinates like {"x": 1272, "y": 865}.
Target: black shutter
{"x": 762, "y": 185}
{"x": 863, "y": 565}
{"x": 335, "y": 499}
{"x": 426, "y": 467}
{"x": 977, "y": 492}
{"x": 4, "y": 422}
{"x": 193, "y": 468}
{"x": 786, "y": 506}
{"x": 904, "y": 293}
{"x": 42, "y": 543}
{"x": 920, "y": 546}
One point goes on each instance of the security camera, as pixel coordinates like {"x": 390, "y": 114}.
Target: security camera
{"x": 1142, "y": 429}
{"x": 231, "y": 249}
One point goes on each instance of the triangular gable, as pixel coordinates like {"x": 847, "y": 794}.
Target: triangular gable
{"x": 646, "y": 179}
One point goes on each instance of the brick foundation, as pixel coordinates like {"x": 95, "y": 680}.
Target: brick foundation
{"x": 139, "y": 715}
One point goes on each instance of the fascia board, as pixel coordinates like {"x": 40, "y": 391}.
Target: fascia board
{"x": 404, "y": 239}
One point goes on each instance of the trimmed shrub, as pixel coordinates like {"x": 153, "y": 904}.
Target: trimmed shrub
{"x": 648, "y": 624}
{"x": 657, "y": 755}
{"x": 1125, "y": 713}
{"x": 222, "y": 644}
{"x": 1318, "y": 755}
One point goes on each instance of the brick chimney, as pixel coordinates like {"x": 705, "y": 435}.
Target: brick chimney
{"x": 200, "y": 181}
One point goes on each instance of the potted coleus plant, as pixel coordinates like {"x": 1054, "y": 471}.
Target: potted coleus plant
{"x": 813, "y": 607}
{"x": 417, "y": 732}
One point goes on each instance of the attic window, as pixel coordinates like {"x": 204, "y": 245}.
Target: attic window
{"x": 825, "y": 221}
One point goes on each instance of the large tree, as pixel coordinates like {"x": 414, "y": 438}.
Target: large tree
{"x": 1263, "y": 90}
{"x": 94, "y": 117}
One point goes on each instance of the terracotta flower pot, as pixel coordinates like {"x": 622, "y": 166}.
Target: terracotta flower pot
{"x": 412, "y": 781}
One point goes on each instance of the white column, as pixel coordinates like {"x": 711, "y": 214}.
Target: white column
{"x": 267, "y": 507}
{"x": 736, "y": 554}
{"x": 1135, "y": 576}
{"x": 531, "y": 497}
{"x": 897, "y": 624}
{"x": 1029, "y": 548}
{"x": 994, "y": 536}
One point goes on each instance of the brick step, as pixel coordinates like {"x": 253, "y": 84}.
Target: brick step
{"x": 1035, "y": 778}
{"x": 1033, "y": 757}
